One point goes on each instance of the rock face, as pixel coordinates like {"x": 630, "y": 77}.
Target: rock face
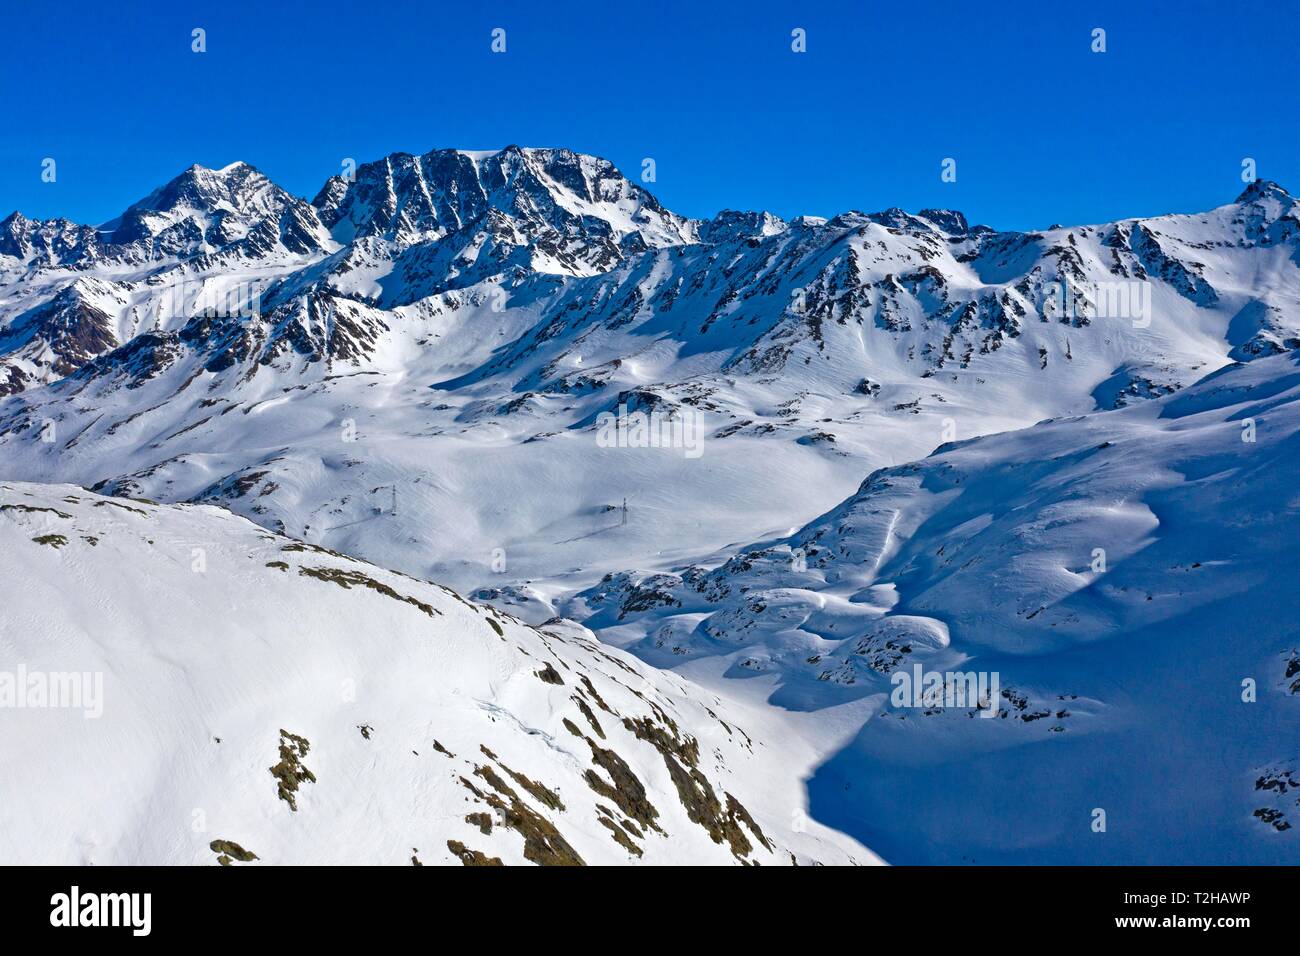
{"x": 62, "y": 335}
{"x": 311, "y": 708}
{"x": 572, "y": 209}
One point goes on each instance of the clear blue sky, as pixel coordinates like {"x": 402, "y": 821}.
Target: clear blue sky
{"x": 1043, "y": 130}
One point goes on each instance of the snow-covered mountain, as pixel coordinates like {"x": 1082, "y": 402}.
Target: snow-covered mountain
{"x": 231, "y": 692}
{"x": 206, "y": 242}
{"x": 458, "y": 381}
{"x": 207, "y": 212}
{"x": 208, "y": 215}
{"x": 421, "y": 368}
{"x": 551, "y": 210}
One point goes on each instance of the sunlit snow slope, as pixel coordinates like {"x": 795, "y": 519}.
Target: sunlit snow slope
{"x": 262, "y": 696}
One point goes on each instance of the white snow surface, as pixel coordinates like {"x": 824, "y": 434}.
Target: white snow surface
{"x": 214, "y": 637}
{"x": 1130, "y": 575}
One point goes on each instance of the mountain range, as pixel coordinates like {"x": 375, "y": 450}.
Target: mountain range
{"x": 915, "y": 433}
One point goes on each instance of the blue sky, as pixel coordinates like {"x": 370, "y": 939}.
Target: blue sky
{"x": 1043, "y": 129}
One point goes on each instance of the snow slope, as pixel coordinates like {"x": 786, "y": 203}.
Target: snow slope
{"x": 1130, "y": 575}
{"x": 310, "y": 708}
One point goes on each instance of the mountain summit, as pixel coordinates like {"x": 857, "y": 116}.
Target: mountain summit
{"x": 207, "y": 210}
{"x": 575, "y": 213}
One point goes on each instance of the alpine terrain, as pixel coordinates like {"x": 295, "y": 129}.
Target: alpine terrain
{"x": 483, "y": 509}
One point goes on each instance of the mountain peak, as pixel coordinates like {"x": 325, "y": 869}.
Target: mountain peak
{"x": 203, "y": 210}
{"x": 212, "y": 183}
{"x": 574, "y": 212}
{"x": 1263, "y": 189}
{"x": 736, "y": 224}
{"x": 948, "y": 220}
{"x": 13, "y": 230}
{"x": 232, "y": 188}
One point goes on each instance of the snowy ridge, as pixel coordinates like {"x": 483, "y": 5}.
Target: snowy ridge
{"x": 305, "y": 707}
